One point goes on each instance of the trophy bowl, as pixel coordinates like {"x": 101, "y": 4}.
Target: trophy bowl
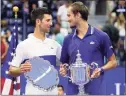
{"x": 43, "y": 75}
{"x": 79, "y": 74}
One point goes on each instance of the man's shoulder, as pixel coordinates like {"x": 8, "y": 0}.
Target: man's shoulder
{"x": 24, "y": 43}
{"x": 69, "y": 36}
{"x": 52, "y": 41}
{"x": 99, "y": 32}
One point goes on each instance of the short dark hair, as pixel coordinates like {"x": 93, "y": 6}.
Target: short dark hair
{"x": 38, "y": 13}
{"x": 61, "y": 86}
{"x": 81, "y": 8}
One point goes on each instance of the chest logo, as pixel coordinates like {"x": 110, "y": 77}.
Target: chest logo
{"x": 92, "y": 42}
{"x": 52, "y": 48}
{"x": 111, "y": 47}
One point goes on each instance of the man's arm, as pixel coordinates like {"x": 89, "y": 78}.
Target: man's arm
{"x": 112, "y": 63}
{"x": 16, "y": 66}
{"x": 108, "y": 52}
{"x": 16, "y": 71}
{"x": 107, "y": 49}
{"x": 64, "y": 57}
{"x": 6, "y": 48}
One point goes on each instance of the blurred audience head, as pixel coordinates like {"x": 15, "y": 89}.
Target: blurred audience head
{"x": 60, "y": 90}
{"x": 122, "y": 2}
{"x": 56, "y": 28}
{"x": 67, "y": 2}
{"x": 8, "y": 33}
{"x": 4, "y": 23}
{"x": 112, "y": 18}
{"x": 112, "y": 32}
{"x": 34, "y": 6}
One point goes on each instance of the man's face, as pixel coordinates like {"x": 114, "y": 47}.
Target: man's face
{"x": 8, "y": 33}
{"x": 122, "y": 2}
{"x": 45, "y": 23}
{"x": 60, "y": 91}
{"x": 71, "y": 17}
{"x": 57, "y": 27}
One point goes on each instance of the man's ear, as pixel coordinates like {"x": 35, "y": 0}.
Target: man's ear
{"x": 37, "y": 21}
{"x": 78, "y": 15}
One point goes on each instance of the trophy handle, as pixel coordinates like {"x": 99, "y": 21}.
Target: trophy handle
{"x": 93, "y": 65}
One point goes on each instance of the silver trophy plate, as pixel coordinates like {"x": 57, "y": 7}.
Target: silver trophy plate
{"x": 42, "y": 75}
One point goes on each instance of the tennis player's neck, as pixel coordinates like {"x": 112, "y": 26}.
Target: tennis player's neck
{"x": 39, "y": 35}
{"x": 82, "y": 29}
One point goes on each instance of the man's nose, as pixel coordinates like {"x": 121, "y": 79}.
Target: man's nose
{"x": 68, "y": 19}
{"x": 50, "y": 23}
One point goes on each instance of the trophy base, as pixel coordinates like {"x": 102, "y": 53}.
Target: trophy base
{"x": 82, "y": 94}
{"x": 81, "y": 91}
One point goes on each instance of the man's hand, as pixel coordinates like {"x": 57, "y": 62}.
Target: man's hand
{"x": 96, "y": 73}
{"x": 26, "y": 67}
{"x": 16, "y": 71}
{"x": 63, "y": 69}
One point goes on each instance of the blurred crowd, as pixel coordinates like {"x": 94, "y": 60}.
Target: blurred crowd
{"x": 115, "y": 26}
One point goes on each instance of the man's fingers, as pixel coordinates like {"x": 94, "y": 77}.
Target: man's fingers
{"x": 95, "y": 73}
{"x": 62, "y": 71}
{"x": 63, "y": 65}
{"x": 27, "y": 61}
{"x": 25, "y": 70}
{"x": 26, "y": 67}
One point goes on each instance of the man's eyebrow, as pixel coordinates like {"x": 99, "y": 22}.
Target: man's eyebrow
{"x": 48, "y": 19}
{"x": 68, "y": 14}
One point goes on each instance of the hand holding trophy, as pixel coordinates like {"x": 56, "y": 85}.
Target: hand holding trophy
{"x": 79, "y": 72}
{"x": 42, "y": 74}
{"x": 26, "y": 67}
{"x": 63, "y": 69}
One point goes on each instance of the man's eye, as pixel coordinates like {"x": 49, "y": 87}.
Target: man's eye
{"x": 68, "y": 15}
